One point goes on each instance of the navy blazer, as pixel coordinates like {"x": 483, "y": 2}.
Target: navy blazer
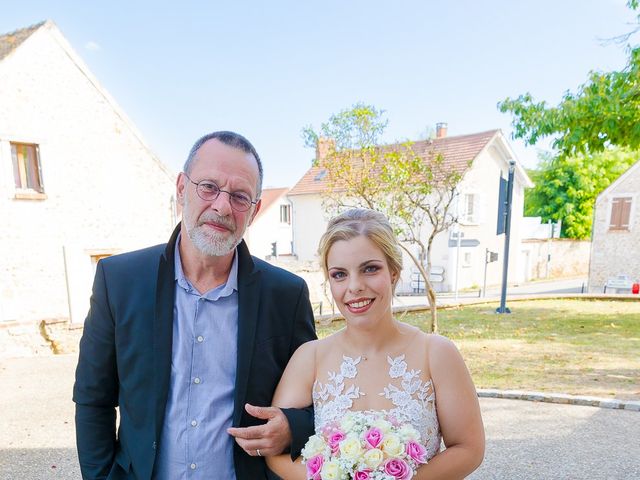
{"x": 125, "y": 358}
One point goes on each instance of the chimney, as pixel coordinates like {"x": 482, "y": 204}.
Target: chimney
{"x": 441, "y": 130}
{"x": 324, "y": 147}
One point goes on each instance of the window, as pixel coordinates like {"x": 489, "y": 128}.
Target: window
{"x": 466, "y": 259}
{"x": 285, "y": 213}
{"x": 27, "y": 171}
{"x": 468, "y": 210}
{"x": 620, "y": 213}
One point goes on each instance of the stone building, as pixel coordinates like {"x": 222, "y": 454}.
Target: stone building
{"x": 77, "y": 181}
{"x": 615, "y": 238}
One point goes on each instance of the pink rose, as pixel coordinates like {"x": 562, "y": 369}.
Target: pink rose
{"x": 362, "y": 475}
{"x": 314, "y": 465}
{"x": 334, "y": 441}
{"x": 373, "y": 437}
{"x": 416, "y": 452}
{"x": 398, "y": 469}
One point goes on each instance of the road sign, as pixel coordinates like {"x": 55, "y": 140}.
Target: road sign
{"x": 465, "y": 242}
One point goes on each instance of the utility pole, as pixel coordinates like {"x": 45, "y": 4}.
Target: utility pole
{"x": 486, "y": 263}
{"x": 507, "y": 233}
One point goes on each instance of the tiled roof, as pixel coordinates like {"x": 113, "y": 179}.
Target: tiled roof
{"x": 10, "y": 41}
{"x": 269, "y": 196}
{"x": 458, "y": 152}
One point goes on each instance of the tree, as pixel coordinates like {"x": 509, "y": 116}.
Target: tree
{"x": 566, "y": 187}
{"x": 586, "y": 126}
{"x": 604, "y": 112}
{"x": 415, "y": 190}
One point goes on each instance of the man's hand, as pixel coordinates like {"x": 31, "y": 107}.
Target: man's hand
{"x": 269, "y": 439}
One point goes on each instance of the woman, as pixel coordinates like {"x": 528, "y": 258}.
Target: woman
{"x": 379, "y": 364}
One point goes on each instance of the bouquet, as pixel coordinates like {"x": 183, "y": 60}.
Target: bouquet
{"x": 364, "y": 446}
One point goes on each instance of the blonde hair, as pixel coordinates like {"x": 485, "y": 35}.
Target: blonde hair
{"x": 368, "y": 223}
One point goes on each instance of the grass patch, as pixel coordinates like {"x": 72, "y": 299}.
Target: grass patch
{"x": 580, "y": 347}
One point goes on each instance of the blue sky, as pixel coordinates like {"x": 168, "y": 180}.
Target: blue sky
{"x": 267, "y": 69}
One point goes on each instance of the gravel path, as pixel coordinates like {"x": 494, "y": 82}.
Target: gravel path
{"x": 525, "y": 440}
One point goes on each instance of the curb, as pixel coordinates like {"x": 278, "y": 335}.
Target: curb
{"x": 561, "y": 398}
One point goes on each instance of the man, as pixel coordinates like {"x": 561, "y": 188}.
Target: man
{"x": 188, "y": 337}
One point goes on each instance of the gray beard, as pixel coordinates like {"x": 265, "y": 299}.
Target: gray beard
{"x": 212, "y": 245}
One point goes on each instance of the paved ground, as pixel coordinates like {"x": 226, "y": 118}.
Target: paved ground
{"x": 562, "y": 286}
{"x": 525, "y": 440}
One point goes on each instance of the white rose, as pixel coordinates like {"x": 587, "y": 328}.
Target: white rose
{"x": 314, "y": 446}
{"x": 373, "y": 458}
{"x": 331, "y": 471}
{"x": 350, "y": 448}
{"x": 392, "y": 446}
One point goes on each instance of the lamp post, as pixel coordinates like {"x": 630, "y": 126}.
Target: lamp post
{"x": 507, "y": 233}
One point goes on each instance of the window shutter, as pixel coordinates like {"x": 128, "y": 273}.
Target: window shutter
{"x": 615, "y": 214}
{"x": 625, "y": 213}
{"x": 620, "y": 213}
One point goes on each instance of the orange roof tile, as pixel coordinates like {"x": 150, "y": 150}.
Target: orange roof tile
{"x": 458, "y": 151}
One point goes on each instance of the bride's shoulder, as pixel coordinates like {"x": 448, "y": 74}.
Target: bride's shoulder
{"x": 315, "y": 347}
{"x": 437, "y": 344}
{"x": 437, "y": 341}
{"x": 307, "y": 348}
{"x": 442, "y": 352}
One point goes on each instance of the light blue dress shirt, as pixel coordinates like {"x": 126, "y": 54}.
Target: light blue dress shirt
{"x": 194, "y": 444}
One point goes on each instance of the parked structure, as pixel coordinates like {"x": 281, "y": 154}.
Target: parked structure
{"x": 77, "y": 182}
{"x": 488, "y": 154}
{"x": 615, "y": 238}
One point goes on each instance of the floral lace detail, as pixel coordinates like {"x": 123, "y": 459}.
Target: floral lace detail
{"x": 413, "y": 399}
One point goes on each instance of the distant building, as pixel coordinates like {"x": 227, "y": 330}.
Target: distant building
{"x": 77, "y": 182}
{"x": 615, "y": 239}
{"x": 483, "y": 158}
{"x": 270, "y": 235}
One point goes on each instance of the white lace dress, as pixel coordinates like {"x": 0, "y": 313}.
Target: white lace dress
{"x": 412, "y": 400}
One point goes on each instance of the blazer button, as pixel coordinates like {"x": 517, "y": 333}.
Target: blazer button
{"x": 154, "y": 445}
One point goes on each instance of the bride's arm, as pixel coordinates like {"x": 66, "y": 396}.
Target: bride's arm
{"x": 458, "y": 414}
{"x": 294, "y": 391}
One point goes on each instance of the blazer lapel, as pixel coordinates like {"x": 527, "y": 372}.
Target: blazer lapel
{"x": 248, "y": 304}
{"x": 163, "y": 329}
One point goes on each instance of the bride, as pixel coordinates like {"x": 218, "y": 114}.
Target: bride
{"x": 379, "y": 364}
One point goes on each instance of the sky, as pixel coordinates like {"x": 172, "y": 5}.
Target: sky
{"x": 268, "y": 69}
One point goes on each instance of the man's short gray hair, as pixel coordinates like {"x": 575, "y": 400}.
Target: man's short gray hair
{"x": 231, "y": 139}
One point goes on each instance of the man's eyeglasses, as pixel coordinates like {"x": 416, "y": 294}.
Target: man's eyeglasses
{"x": 208, "y": 190}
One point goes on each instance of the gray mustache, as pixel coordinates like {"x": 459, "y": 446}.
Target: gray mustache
{"x": 212, "y": 217}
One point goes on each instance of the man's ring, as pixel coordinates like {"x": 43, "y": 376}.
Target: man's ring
{"x": 258, "y": 452}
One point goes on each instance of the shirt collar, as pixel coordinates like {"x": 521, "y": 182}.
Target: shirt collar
{"x": 223, "y": 290}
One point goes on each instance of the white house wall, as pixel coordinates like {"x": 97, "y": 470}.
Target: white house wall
{"x": 267, "y": 229}
{"x": 105, "y": 192}
{"x": 309, "y": 223}
{"x": 483, "y": 180}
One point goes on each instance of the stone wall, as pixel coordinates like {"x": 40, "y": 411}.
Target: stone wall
{"x": 555, "y": 258}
